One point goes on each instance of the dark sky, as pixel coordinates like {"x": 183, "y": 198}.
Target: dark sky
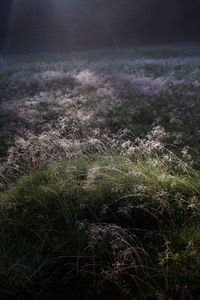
{"x": 59, "y": 25}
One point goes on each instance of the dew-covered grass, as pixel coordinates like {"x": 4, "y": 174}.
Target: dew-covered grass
{"x": 99, "y": 174}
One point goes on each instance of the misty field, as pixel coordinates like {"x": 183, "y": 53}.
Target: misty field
{"x": 100, "y": 175}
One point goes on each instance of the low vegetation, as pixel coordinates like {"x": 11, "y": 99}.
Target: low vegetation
{"x": 100, "y": 175}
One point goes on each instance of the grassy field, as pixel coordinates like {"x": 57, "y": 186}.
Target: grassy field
{"x": 99, "y": 175}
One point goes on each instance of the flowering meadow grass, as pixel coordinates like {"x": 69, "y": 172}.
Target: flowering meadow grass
{"x": 99, "y": 174}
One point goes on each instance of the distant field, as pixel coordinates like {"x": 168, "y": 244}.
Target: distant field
{"x": 99, "y": 174}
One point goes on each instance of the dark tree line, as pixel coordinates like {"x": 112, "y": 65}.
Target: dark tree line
{"x": 73, "y": 24}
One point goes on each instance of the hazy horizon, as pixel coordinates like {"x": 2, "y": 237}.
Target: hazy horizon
{"x": 58, "y": 26}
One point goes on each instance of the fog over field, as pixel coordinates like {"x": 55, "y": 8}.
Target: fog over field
{"x": 99, "y": 150}
{"x": 62, "y": 25}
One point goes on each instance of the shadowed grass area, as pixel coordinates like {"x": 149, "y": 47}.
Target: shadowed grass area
{"x": 111, "y": 223}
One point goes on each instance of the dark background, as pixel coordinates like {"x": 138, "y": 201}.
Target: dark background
{"x": 60, "y": 25}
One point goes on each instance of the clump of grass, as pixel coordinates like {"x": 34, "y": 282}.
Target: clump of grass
{"x": 111, "y": 219}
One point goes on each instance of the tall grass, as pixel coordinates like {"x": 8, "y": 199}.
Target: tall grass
{"x": 99, "y": 175}
{"x": 113, "y": 222}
